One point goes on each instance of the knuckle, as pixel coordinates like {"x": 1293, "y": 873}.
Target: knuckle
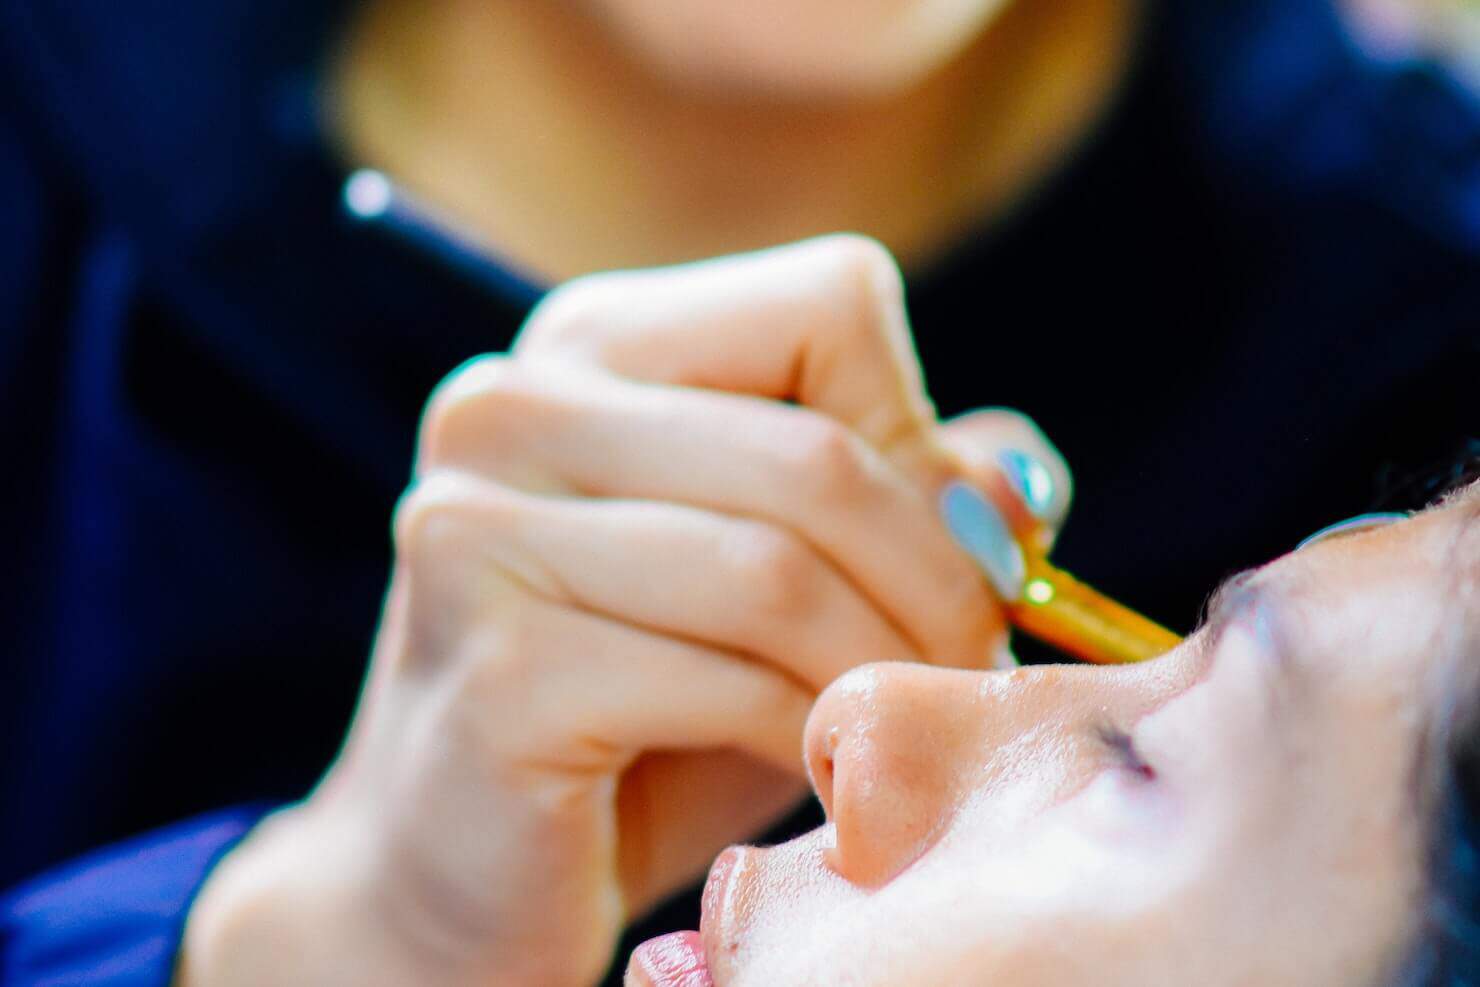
{"x": 571, "y": 311}
{"x": 431, "y": 505}
{"x": 473, "y": 381}
{"x": 828, "y": 462}
{"x": 515, "y": 642}
{"x": 777, "y": 571}
{"x": 861, "y": 254}
{"x": 451, "y": 543}
{"x": 501, "y": 668}
{"x": 872, "y": 279}
{"x": 489, "y": 373}
{"x": 486, "y": 400}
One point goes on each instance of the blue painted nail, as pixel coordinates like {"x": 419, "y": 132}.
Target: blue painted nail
{"x": 978, "y": 528}
{"x": 1030, "y": 478}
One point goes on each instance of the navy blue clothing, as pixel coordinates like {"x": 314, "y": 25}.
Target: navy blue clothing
{"x": 1253, "y": 293}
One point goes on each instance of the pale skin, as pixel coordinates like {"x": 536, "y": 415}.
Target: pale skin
{"x": 637, "y": 549}
{"x": 1241, "y": 811}
{"x": 639, "y": 546}
{"x": 638, "y": 133}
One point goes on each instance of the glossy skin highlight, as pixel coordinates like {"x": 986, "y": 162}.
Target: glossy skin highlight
{"x": 1242, "y": 811}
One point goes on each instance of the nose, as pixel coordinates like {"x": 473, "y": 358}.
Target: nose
{"x": 893, "y": 749}
{"x": 880, "y": 746}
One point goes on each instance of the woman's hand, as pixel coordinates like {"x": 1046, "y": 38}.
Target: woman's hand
{"x": 634, "y": 552}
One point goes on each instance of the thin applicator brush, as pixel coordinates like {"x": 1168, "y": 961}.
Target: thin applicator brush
{"x": 1043, "y": 600}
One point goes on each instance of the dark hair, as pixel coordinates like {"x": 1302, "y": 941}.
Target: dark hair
{"x": 1446, "y": 950}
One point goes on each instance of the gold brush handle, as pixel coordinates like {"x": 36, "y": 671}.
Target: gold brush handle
{"x": 1008, "y": 543}
{"x": 1060, "y": 610}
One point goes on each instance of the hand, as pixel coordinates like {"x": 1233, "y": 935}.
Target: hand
{"x": 634, "y": 552}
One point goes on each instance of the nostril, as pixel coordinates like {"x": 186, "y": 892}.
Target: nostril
{"x": 886, "y": 806}
{"x": 820, "y": 761}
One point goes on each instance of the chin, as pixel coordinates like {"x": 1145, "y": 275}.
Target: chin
{"x": 803, "y": 49}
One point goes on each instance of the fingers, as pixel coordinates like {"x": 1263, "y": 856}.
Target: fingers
{"x": 690, "y": 696}
{"x": 736, "y": 584}
{"x": 594, "y": 435}
{"x": 1003, "y": 449}
{"x": 593, "y": 692}
{"x": 591, "y": 689}
{"x": 821, "y": 323}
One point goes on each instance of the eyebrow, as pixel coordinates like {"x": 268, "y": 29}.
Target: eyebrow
{"x": 1251, "y": 593}
{"x": 1227, "y": 603}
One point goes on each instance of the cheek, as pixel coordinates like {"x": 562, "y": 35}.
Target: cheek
{"x": 1289, "y": 831}
{"x": 1124, "y": 810}
{"x": 1098, "y": 871}
{"x": 1220, "y": 748}
{"x": 985, "y": 905}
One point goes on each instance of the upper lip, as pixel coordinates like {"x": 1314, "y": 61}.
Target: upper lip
{"x": 717, "y": 924}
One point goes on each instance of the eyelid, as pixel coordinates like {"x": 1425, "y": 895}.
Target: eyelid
{"x": 1119, "y": 740}
{"x": 1261, "y": 609}
{"x": 1262, "y": 615}
{"x": 1362, "y": 522}
{"x": 1234, "y": 600}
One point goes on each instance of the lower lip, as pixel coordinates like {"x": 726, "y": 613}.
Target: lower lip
{"x": 674, "y": 960}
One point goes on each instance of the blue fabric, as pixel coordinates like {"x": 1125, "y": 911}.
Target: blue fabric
{"x": 1243, "y": 309}
{"x": 114, "y": 918}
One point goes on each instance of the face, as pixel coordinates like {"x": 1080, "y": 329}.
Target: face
{"x": 1240, "y": 811}
{"x": 839, "y": 47}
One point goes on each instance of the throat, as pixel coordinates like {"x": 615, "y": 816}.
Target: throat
{"x": 568, "y": 154}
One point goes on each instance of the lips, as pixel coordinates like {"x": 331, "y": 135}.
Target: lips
{"x": 679, "y": 959}
{"x": 674, "y": 960}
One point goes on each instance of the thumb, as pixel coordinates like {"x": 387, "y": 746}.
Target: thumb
{"x": 1002, "y": 448}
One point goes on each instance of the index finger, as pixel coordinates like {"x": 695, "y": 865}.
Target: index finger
{"x": 821, "y": 323}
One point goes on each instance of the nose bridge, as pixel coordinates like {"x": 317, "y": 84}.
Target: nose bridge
{"x": 893, "y": 748}
{"x": 1055, "y": 699}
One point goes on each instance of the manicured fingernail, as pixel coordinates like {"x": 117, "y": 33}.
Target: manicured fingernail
{"x": 979, "y": 528}
{"x": 1030, "y": 478}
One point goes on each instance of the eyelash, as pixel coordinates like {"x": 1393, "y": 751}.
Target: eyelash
{"x": 1124, "y": 748}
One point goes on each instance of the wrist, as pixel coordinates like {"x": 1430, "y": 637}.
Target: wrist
{"x": 289, "y": 906}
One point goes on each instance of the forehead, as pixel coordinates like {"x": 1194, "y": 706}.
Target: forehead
{"x": 1400, "y": 597}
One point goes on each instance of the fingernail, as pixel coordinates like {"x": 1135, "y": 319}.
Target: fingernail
{"x": 1030, "y": 478}
{"x": 979, "y": 528}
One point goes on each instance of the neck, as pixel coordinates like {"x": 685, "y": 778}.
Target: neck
{"x": 548, "y": 138}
